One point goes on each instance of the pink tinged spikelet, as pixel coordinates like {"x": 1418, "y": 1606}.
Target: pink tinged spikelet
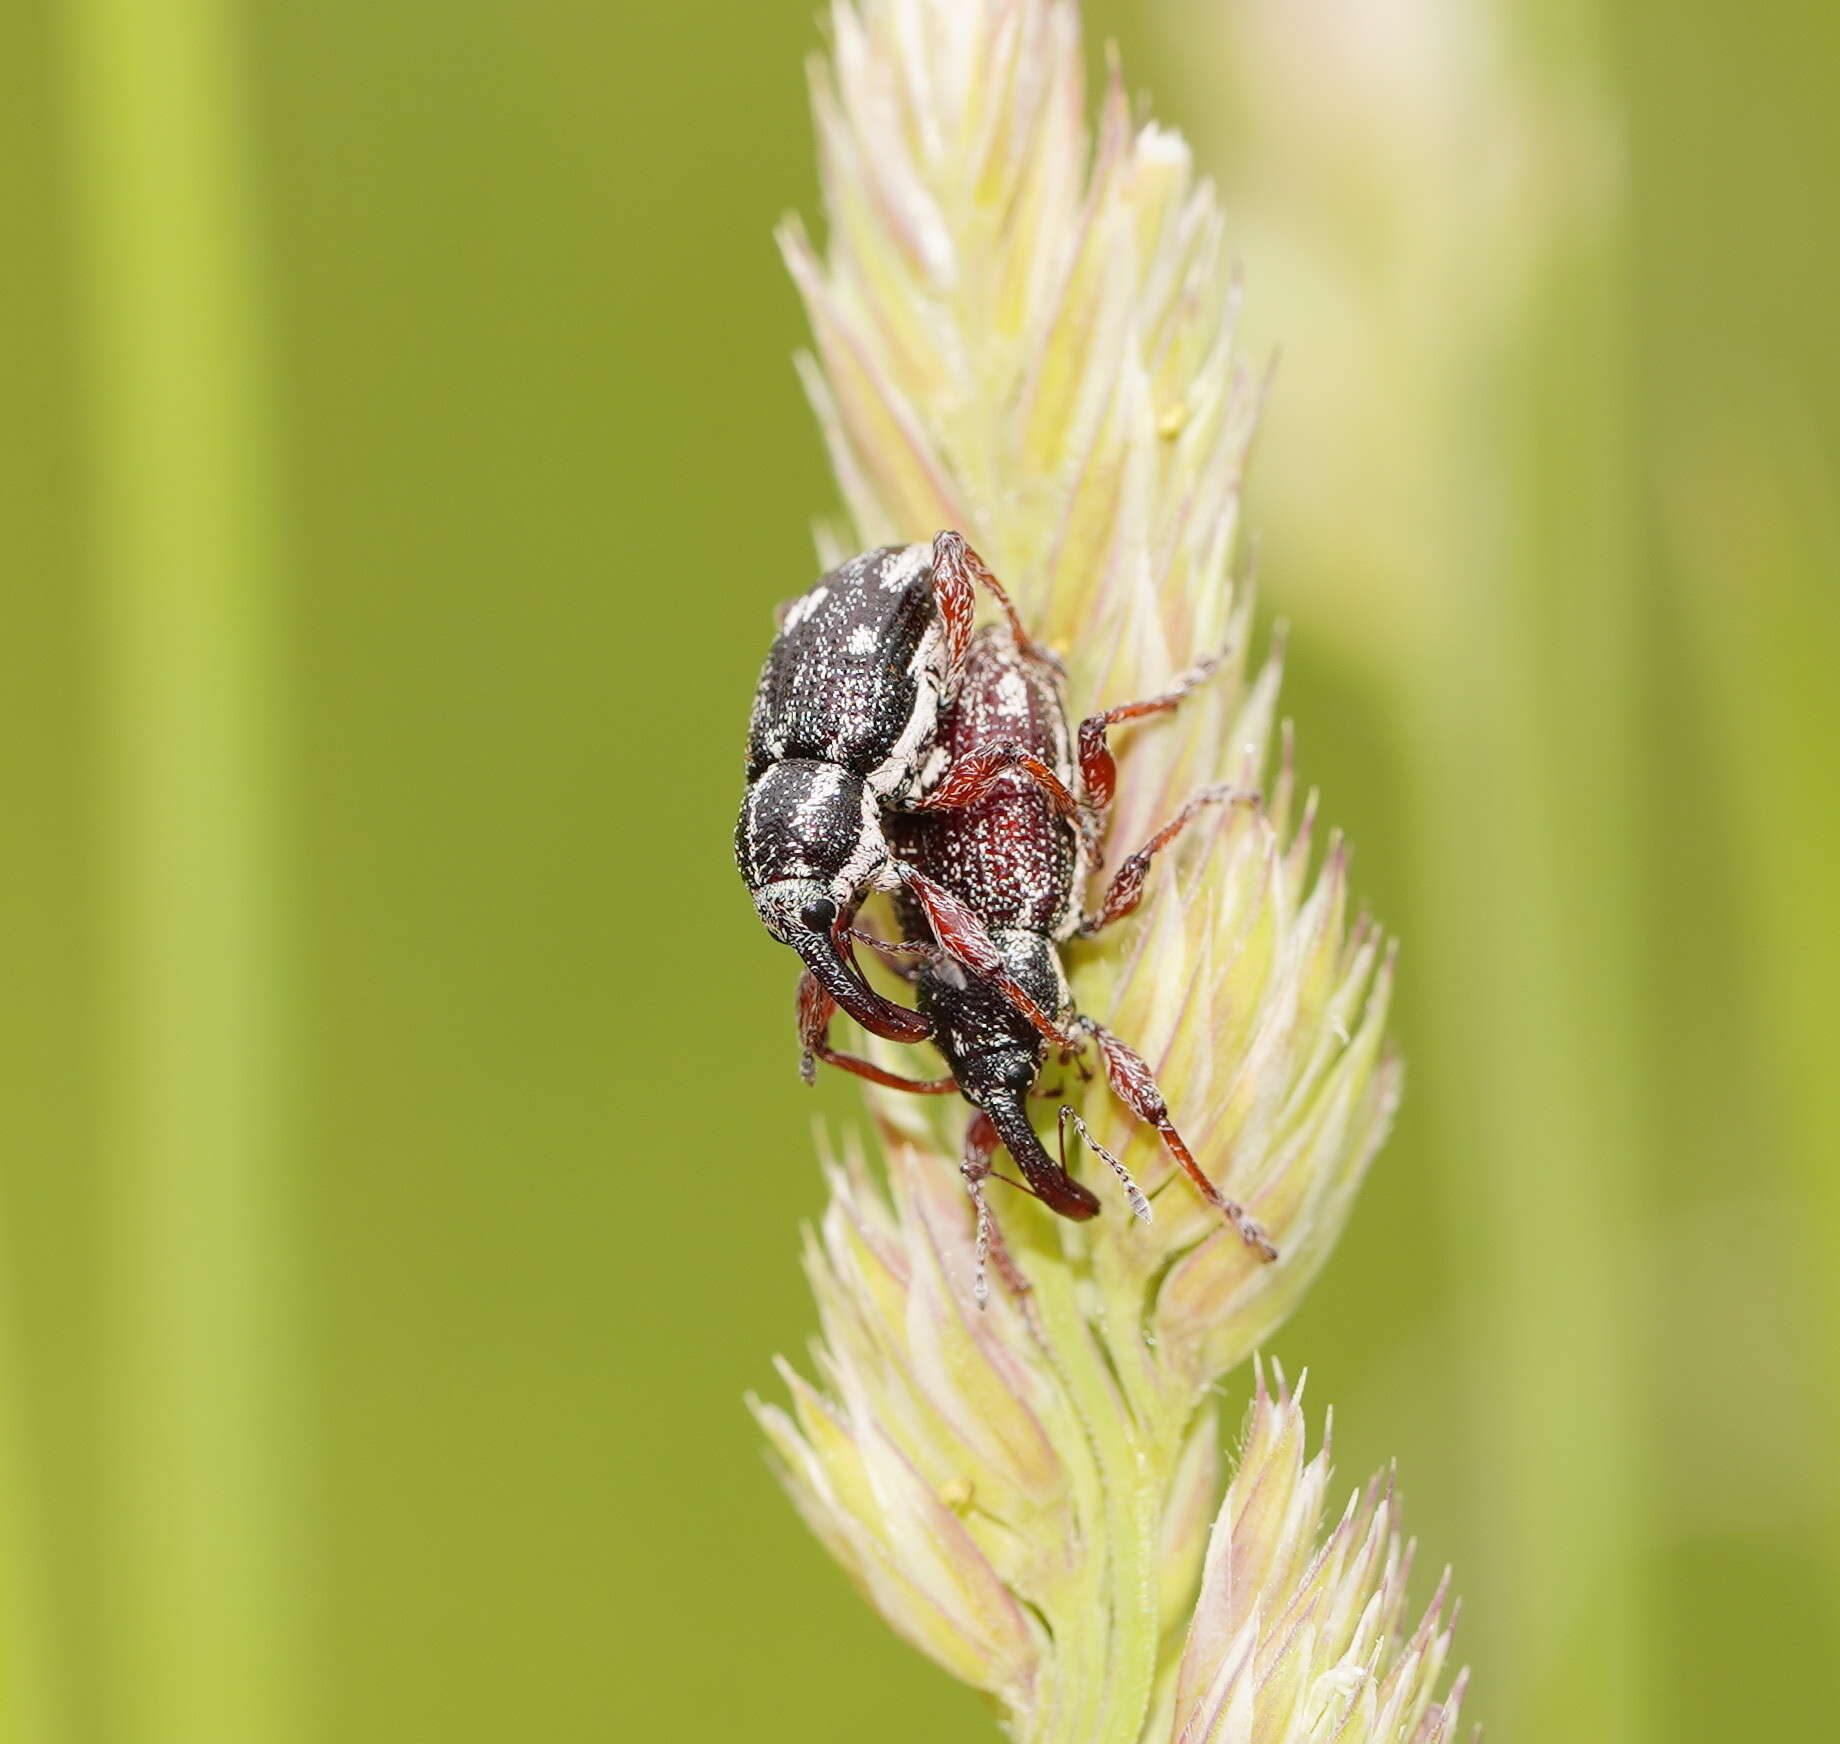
{"x": 1299, "y": 1634}
{"x": 1025, "y": 330}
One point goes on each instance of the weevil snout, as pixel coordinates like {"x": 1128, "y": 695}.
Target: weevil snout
{"x": 1047, "y": 1179}
{"x": 809, "y": 842}
{"x": 801, "y": 913}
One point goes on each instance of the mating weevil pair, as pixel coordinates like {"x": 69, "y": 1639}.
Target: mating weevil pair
{"x": 894, "y": 747}
{"x": 845, "y": 726}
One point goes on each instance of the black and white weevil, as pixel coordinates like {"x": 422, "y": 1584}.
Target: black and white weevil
{"x": 845, "y": 727}
{"x": 995, "y": 888}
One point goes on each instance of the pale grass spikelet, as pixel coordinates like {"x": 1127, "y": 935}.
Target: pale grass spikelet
{"x": 1024, "y": 331}
{"x": 1300, "y": 1635}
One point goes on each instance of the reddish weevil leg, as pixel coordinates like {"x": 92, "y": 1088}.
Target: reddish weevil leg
{"x": 1097, "y": 768}
{"x": 816, "y": 1008}
{"x": 1126, "y": 889}
{"x": 981, "y": 1144}
{"x": 977, "y": 772}
{"x": 1130, "y": 1079}
{"x": 955, "y": 568}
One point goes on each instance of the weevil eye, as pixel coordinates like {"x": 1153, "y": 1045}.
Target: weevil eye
{"x": 820, "y": 914}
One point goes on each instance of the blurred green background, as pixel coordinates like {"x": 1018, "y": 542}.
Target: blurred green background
{"x": 399, "y": 455}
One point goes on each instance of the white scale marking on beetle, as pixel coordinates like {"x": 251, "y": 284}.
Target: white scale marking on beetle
{"x": 868, "y": 861}
{"x": 825, "y": 784}
{"x": 803, "y": 607}
{"x": 901, "y": 571}
{"x": 896, "y": 774}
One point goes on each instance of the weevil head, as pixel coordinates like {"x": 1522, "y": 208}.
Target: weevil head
{"x": 985, "y": 1039}
{"x": 993, "y": 1051}
{"x": 809, "y": 843}
{"x": 996, "y": 1054}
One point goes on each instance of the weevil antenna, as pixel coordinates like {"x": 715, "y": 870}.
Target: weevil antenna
{"x": 1140, "y": 1206}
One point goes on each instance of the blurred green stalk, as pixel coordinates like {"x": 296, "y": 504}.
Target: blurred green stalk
{"x": 1754, "y": 523}
{"x": 1540, "y": 948}
{"x": 1526, "y": 722}
{"x": 1458, "y": 209}
{"x": 199, "y": 1533}
{"x": 25, "y": 1700}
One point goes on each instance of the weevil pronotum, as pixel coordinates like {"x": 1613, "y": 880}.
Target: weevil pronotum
{"x": 844, "y": 728}
{"x": 988, "y": 894}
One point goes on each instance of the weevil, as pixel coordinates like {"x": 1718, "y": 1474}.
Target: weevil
{"x": 844, "y": 729}
{"x": 991, "y": 892}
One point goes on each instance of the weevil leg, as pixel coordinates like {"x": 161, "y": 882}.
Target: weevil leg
{"x": 816, "y": 1008}
{"x": 1126, "y": 889}
{"x": 1098, "y": 768}
{"x": 964, "y": 938}
{"x": 956, "y": 568}
{"x": 973, "y": 776}
{"x": 981, "y": 1144}
{"x": 1134, "y": 1086}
